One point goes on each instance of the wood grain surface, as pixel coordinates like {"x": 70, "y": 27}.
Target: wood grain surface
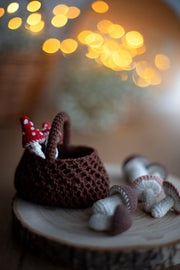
{"x": 149, "y": 243}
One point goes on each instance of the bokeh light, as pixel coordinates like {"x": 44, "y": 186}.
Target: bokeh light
{"x": 73, "y": 12}
{"x": 33, "y": 6}
{"x": 13, "y": 7}
{"x": 122, "y": 58}
{"x": 148, "y": 73}
{"x": 83, "y": 35}
{"x": 94, "y": 40}
{"x": 162, "y": 62}
{"x": 60, "y": 9}
{"x": 103, "y": 26}
{"x": 134, "y": 39}
{"x": 68, "y": 46}
{"x": 34, "y": 19}
{"x": 51, "y": 45}
{"x": 59, "y": 20}
{"x": 100, "y": 6}
{"x": 14, "y": 23}
{"x": 116, "y": 31}
{"x": 2, "y": 11}
{"x": 37, "y": 27}
{"x": 92, "y": 54}
{"x": 139, "y": 81}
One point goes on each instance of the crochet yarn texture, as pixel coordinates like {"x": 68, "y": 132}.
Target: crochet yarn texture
{"x": 77, "y": 178}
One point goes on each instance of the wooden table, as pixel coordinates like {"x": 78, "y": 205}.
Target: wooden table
{"x": 151, "y": 137}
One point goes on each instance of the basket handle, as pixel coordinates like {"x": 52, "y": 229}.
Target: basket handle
{"x": 61, "y": 121}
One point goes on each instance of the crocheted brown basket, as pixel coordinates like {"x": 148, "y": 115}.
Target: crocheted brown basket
{"x": 77, "y": 178}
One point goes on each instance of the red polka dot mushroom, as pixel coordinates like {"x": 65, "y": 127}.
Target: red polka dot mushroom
{"x": 32, "y": 137}
{"x": 46, "y": 127}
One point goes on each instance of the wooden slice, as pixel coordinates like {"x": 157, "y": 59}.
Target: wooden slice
{"x": 63, "y": 235}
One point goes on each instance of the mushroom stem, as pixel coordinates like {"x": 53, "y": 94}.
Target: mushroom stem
{"x": 161, "y": 208}
{"x": 100, "y": 222}
{"x": 107, "y": 205}
{"x": 135, "y": 169}
{"x": 149, "y": 199}
{"x": 36, "y": 148}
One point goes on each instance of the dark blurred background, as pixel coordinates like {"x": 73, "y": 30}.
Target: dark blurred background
{"x": 112, "y": 65}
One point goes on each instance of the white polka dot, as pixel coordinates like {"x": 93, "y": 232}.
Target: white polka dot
{"x": 32, "y": 128}
{"x": 25, "y": 121}
{"x": 33, "y": 133}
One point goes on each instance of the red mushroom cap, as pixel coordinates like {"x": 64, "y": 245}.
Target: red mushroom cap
{"x": 30, "y": 134}
{"x": 46, "y": 127}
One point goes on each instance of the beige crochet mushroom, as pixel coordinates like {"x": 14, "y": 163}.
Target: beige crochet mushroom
{"x": 171, "y": 201}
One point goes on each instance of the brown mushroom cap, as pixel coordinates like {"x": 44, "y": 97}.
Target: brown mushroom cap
{"x": 145, "y": 182}
{"x": 174, "y": 192}
{"x": 127, "y": 194}
{"x": 121, "y": 220}
{"x": 156, "y": 167}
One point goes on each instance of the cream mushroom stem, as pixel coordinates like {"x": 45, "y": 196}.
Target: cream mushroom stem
{"x": 107, "y": 206}
{"x": 149, "y": 199}
{"x": 36, "y": 148}
{"x": 100, "y": 222}
{"x": 135, "y": 169}
{"x": 161, "y": 208}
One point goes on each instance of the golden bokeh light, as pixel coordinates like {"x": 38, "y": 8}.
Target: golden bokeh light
{"x": 152, "y": 76}
{"x": 92, "y": 54}
{"x": 59, "y": 20}
{"x": 13, "y": 7}
{"x": 103, "y": 26}
{"x": 51, "y": 45}
{"x": 162, "y": 62}
{"x": 100, "y": 6}
{"x": 108, "y": 62}
{"x": 134, "y": 39}
{"x": 68, "y": 46}
{"x": 34, "y": 19}
{"x": 141, "y": 67}
{"x": 14, "y": 23}
{"x": 2, "y": 11}
{"x": 116, "y": 31}
{"x": 111, "y": 45}
{"x": 73, "y": 12}
{"x": 37, "y": 28}
{"x": 83, "y": 35}
{"x": 33, "y": 6}
{"x": 139, "y": 81}
{"x": 122, "y": 58}
{"x": 60, "y": 9}
{"x": 94, "y": 40}
{"x": 148, "y": 73}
